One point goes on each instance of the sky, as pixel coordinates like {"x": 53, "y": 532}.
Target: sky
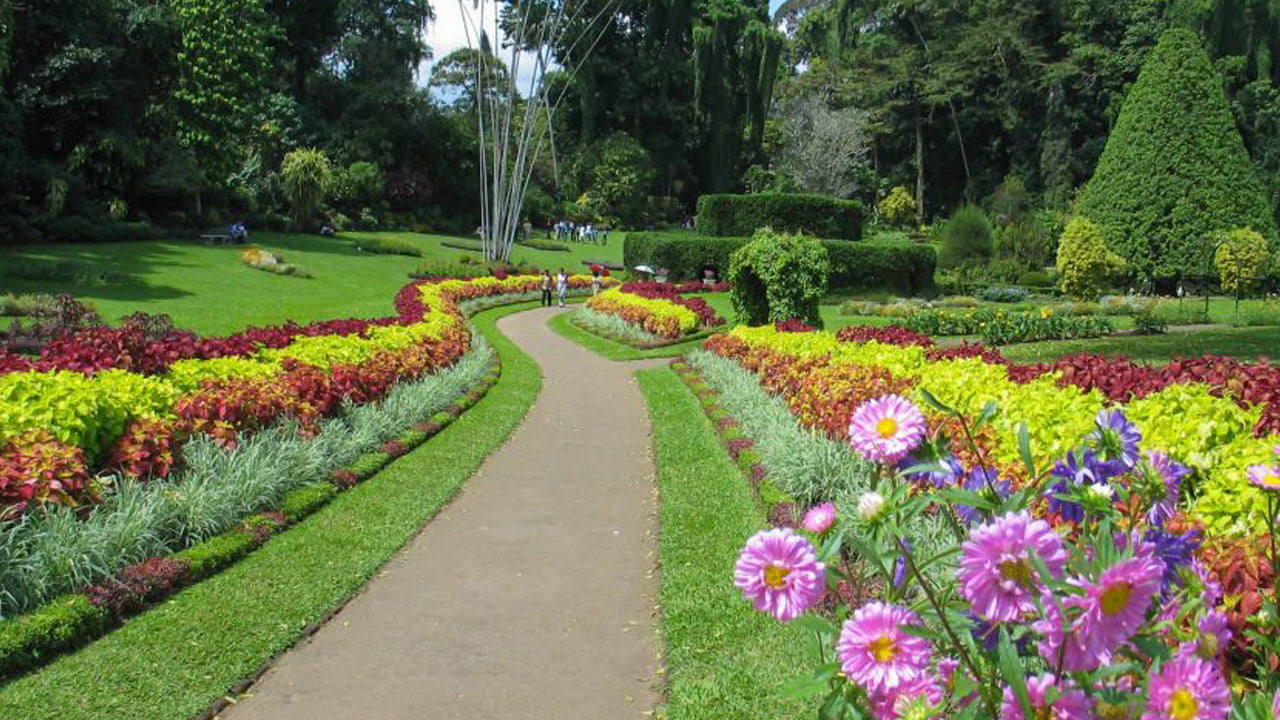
{"x": 448, "y": 33}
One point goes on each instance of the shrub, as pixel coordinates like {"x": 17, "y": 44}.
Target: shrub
{"x": 551, "y": 245}
{"x": 358, "y": 187}
{"x": 1035, "y": 279}
{"x": 1242, "y": 258}
{"x": 967, "y": 240}
{"x": 1175, "y": 170}
{"x": 1003, "y": 294}
{"x": 306, "y": 176}
{"x": 388, "y": 246}
{"x": 779, "y": 277}
{"x": 904, "y": 268}
{"x": 83, "y": 230}
{"x": 743, "y": 215}
{"x": 1084, "y": 260}
{"x": 898, "y": 208}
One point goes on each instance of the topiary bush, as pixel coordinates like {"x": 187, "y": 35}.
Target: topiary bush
{"x": 904, "y": 268}
{"x": 1175, "y": 169}
{"x": 1035, "y": 279}
{"x": 743, "y": 215}
{"x": 968, "y": 239}
{"x": 1084, "y": 260}
{"x": 1242, "y": 258}
{"x": 898, "y": 208}
{"x": 779, "y": 277}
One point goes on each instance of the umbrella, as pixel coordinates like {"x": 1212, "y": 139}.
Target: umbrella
{"x": 644, "y": 269}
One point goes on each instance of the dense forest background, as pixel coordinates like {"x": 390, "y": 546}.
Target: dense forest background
{"x": 180, "y": 112}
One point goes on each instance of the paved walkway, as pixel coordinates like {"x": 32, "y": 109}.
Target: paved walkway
{"x": 530, "y": 596}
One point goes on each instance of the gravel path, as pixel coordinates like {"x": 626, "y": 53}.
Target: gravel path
{"x": 530, "y": 596}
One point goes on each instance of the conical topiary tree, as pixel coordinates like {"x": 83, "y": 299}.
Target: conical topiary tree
{"x": 1175, "y": 170}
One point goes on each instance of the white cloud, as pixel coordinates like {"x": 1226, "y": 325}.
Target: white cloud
{"x": 449, "y": 33}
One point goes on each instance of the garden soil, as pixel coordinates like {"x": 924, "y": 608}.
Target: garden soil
{"x": 532, "y": 595}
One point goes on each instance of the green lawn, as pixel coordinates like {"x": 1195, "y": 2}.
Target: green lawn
{"x": 208, "y": 289}
{"x": 1244, "y": 343}
{"x": 724, "y": 660}
{"x": 171, "y": 662}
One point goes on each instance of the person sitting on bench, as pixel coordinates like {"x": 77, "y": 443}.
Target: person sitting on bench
{"x": 239, "y": 233}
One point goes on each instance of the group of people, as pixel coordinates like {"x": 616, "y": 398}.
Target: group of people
{"x": 561, "y": 284}
{"x": 579, "y": 232}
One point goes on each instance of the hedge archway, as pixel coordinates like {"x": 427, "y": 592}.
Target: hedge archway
{"x": 779, "y": 277}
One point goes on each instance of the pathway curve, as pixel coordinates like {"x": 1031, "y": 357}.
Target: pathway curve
{"x": 530, "y": 596}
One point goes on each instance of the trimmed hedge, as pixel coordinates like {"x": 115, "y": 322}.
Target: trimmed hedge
{"x": 905, "y": 268}
{"x": 742, "y": 215}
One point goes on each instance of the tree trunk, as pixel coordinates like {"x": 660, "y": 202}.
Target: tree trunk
{"x": 200, "y": 205}
{"x": 919, "y": 168}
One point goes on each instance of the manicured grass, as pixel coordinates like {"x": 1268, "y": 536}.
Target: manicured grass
{"x": 1244, "y": 343}
{"x": 171, "y": 662}
{"x": 208, "y": 289}
{"x": 724, "y": 659}
{"x": 612, "y": 349}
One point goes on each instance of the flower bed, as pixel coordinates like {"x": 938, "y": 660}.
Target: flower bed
{"x": 657, "y": 308}
{"x": 1001, "y": 328}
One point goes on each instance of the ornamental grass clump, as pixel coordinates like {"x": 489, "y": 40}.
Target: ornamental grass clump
{"x": 1094, "y": 607}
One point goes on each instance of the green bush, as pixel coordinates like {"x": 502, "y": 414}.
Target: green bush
{"x": 1175, "y": 169}
{"x": 27, "y": 640}
{"x": 967, "y": 240}
{"x": 84, "y": 230}
{"x": 898, "y": 208}
{"x": 551, "y": 245}
{"x": 388, "y": 246}
{"x": 216, "y": 553}
{"x": 300, "y": 503}
{"x": 778, "y": 277}
{"x": 742, "y": 215}
{"x": 358, "y": 187}
{"x": 306, "y": 177}
{"x": 905, "y": 268}
{"x": 1242, "y": 258}
{"x": 1035, "y": 279}
{"x": 1084, "y": 260}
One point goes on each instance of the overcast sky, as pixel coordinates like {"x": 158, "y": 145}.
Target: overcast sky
{"x": 448, "y": 33}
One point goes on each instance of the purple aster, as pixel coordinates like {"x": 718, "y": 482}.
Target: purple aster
{"x": 886, "y": 429}
{"x": 949, "y": 472}
{"x": 1060, "y": 641}
{"x": 1116, "y": 439}
{"x": 1188, "y": 688}
{"x": 1275, "y": 701}
{"x": 1174, "y": 549}
{"x": 898, "y": 703}
{"x": 1116, "y": 605}
{"x": 996, "y": 575}
{"x": 1071, "y": 703}
{"x": 900, "y": 565}
{"x": 1080, "y": 468}
{"x": 1266, "y": 477}
{"x": 779, "y": 572}
{"x": 1214, "y": 636}
{"x": 982, "y": 480}
{"x": 1170, "y": 473}
{"x": 874, "y": 651}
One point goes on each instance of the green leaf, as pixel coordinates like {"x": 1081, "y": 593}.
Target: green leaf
{"x": 814, "y": 623}
{"x": 1013, "y": 673}
{"x": 935, "y": 403}
{"x": 1024, "y": 449}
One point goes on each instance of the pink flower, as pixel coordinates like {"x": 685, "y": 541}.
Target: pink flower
{"x": 996, "y": 575}
{"x": 1187, "y": 688}
{"x": 897, "y": 703}
{"x": 1116, "y": 605}
{"x": 819, "y": 518}
{"x": 1275, "y": 701}
{"x": 779, "y": 572}
{"x": 1060, "y": 642}
{"x": 1072, "y": 704}
{"x": 874, "y": 651}
{"x": 886, "y": 429}
{"x": 1266, "y": 477}
{"x": 1215, "y": 635}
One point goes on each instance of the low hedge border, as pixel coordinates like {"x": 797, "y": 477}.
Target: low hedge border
{"x": 776, "y": 504}
{"x": 33, "y": 639}
{"x": 904, "y": 268}
{"x": 739, "y": 215}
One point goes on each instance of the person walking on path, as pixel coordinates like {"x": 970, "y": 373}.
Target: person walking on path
{"x": 546, "y": 288}
{"x": 562, "y": 285}
{"x": 595, "y": 280}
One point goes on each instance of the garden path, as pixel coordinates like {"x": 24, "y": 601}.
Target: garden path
{"x": 530, "y": 596}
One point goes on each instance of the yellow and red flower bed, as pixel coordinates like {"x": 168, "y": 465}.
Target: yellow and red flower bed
{"x": 111, "y": 399}
{"x": 1211, "y": 430}
{"x": 657, "y": 308}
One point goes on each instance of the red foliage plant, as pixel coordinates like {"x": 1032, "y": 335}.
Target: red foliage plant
{"x": 36, "y": 469}
{"x": 137, "y": 585}
{"x": 887, "y": 335}
{"x": 147, "y": 449}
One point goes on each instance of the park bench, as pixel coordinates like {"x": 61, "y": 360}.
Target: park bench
{"x": 216, "y": 237}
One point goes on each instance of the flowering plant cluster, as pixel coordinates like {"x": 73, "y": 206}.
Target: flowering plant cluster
{"x": 656, "y": 308}
{"x": 999, "y": 327}
{"x": 123, "y": 399}
{"x": 1070, "y": 590}
{"x": 671, "y": 293}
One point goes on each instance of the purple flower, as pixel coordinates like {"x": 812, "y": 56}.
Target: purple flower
{"x": 982, "y": 480}
{"x": 1214, "y": 636}
{"x": 1187, "y": 688}
{"x": 900, "y": 565}
{"x": 898, "y": 703}
{"x": 819, "y": 518}
{"x": 875, "y": 653}
{"x": 1175, "y": 550}
{"x": 1079, "y": 468}
{"x": 1210, "y": 587}
{"x": 1275, "y": 701}
{"x": 1170, "y": 473}
{"x": 951, "y": 470}
{"x": 1059, "y": 641}
{"x": 1116, "y": 439}
{"x": 1266, "y": 477}
{"x": 886, "y": 429}
{"x": 1071, "y": 703}
{"x": 1116, "y": 605}
{"x": 779, "y": 572}
{"x": 996, "y": 575}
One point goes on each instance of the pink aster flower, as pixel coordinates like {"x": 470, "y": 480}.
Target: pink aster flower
{"x": 1215, "y": 635}
{"x": 1072, "y": 704}
{"x": 886, "y": 429}
{"x": 874, "y": 651}
{"x": 1116, "y": 605}
{"x": 1266, "y": 477}
{"x": 1188, "y": 688}
{"x": 819, "y": 518}
{"x": 1275, "y": 701}
{"x": 996, "y": 575}
{"x": 779, "y": 572}
{"x": 898, "y": 703}
{"x": 1060, "y": 643}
